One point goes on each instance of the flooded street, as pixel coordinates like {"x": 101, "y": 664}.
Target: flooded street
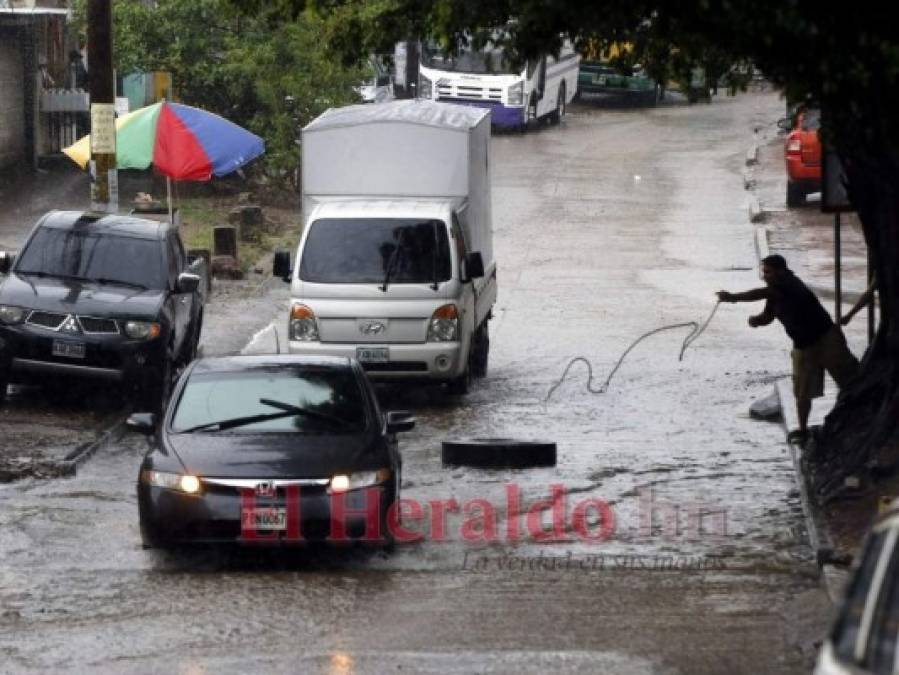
{"x": 694, "y": 558}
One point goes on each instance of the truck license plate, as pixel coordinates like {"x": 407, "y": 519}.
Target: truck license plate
{"x": 270, "y": 519}
{"x": 71, "y": 350}
{"x": 372, "y": 354}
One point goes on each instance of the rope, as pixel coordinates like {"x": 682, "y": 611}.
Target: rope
{"x": 695, "y": 331}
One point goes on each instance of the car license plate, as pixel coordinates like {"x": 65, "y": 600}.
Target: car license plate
{"x": 264, "y": 519}
{"x": 599, "y": 79}
{"x": 71, "y": 350}
{"x": 372, "y": 354}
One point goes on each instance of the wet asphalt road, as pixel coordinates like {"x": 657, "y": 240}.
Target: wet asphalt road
{"x": 611, "y": 225}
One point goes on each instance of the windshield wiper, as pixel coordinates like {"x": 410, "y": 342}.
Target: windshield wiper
{"x": 306, "y": 412}
{"x": 287, "y": 410}
{"x": 394, "y": 258}
{"x": 106, "y": 280}
{"x": 234, "y": 422}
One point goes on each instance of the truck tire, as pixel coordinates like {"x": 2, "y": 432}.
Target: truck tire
{"x": 462, "y": 384}
{"x": 532, "y": 112}
{"x": 498, "y": 453}
{"x": 795, "y": 194}
{"x": 481, "y": 351}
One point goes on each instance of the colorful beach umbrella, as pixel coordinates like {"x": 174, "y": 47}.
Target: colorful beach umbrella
{"x": 181, "y": 142}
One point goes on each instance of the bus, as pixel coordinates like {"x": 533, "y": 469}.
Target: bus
{"x": 541, "y": 89}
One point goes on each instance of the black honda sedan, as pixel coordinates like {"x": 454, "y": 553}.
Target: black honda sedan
{"x": 270, "y": 450}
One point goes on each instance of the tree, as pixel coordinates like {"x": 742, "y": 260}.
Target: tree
{"x": 844, "y": 56}
{"x": 270, "y": 72}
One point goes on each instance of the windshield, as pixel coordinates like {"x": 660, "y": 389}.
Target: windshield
{"x": 357, "y": 251}
{"x": 330, "y": 401}
{"x": 487, "y": 61}
{"x": 90, "y": 256}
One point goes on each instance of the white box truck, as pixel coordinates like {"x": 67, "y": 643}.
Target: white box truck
{"x": 395, "y": 265}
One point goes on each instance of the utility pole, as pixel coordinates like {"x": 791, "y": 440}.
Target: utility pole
{"x": 104, "y": 177}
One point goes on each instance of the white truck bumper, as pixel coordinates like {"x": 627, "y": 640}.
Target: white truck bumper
{"x": 435, "y": 361}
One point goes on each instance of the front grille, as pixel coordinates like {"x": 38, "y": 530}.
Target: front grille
{"x": 49, "y": 320}
{"x": 397, "y": 367}
{"x": 90, "y": 324}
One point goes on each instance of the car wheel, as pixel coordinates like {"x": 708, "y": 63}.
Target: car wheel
{"x": 795, "y": 194}
{"x": 498, "y": 453}
{"x": 389, "y": 542}
{"x": 155, "y": 396}
{"x": 559, "y": 112}
{"x": 532, "y": 111}
{"x": 4, "y": 384}
{"x": 194, "y": 347}
{"x": 481, "y": 351}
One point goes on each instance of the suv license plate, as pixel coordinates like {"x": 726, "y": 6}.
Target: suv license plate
{"x": 271, "y": 519}
{"x": 372, "y": 354}
{"x": 71, "y": 350}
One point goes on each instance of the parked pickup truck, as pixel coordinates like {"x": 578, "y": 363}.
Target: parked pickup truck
{"x": 104, "y": 297}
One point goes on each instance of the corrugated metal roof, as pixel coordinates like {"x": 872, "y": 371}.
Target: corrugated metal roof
{"x": 416, "y": 111}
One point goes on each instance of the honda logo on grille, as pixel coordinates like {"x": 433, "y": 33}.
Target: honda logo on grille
{"x": 266, "y": 489}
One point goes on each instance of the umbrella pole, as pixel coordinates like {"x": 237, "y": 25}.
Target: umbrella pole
{"x": 168, "y": 188}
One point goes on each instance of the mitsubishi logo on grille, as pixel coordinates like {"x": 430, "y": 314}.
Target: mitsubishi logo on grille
{"x": 70, "y": 325}
{"x": 372, "y": 328}
{"x": 265, "y": 489}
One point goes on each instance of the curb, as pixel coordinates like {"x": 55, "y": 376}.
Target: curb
{"x": 819, "y": 537}
{"x": 755, "y": 210}
{"x": 82, "y": 452}
{"x": 752, "y": 155}
{"x": 761, "y": 245}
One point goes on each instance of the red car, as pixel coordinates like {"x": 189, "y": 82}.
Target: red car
{"x": 803, "y": 156}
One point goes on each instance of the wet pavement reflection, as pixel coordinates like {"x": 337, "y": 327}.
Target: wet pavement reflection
{"x": 612, "y": 224}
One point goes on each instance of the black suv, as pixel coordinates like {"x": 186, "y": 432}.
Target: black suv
{"x": 107, "y": 297}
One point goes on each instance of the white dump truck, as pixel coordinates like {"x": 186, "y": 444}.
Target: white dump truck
{"x": 395, "y": 266}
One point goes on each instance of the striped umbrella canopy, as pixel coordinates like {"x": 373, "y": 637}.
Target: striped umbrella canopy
{"x": 180, "y": 141}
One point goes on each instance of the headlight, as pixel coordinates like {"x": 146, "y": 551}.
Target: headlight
{"x": 142, "y": 330}
{"x": 302, "y": 326}
{"x": 425, "y": 87}
{"x": 516, "y": 94}
{"x": 444, "y": 326}
{"x": 172, "y": 481}
{"x": 354, "y": 481}
{"x": 11, "y": 315}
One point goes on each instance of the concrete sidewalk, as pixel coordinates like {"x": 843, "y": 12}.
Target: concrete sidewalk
{"x": 805, "y": 237}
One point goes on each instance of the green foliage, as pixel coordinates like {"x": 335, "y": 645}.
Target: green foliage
{"x": 270, "y": 72}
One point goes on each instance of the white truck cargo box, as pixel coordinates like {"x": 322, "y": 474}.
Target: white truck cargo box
{"x": 403, "y": 149}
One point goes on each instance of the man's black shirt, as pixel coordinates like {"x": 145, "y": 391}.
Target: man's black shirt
{"x": 797, "y": 308}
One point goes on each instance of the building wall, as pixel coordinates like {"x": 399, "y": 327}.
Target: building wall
{"x": 12, "y": 100}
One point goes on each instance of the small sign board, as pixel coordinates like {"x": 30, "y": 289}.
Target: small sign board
{"x": 103, "y": 128}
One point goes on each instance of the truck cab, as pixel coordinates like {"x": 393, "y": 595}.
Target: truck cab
{"x": 395, "y": 266}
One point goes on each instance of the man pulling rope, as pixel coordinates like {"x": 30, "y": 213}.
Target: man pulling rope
{"x": 818, "y": 343}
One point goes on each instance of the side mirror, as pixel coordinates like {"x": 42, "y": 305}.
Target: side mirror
{"x": 6, "y": 261}
{"x": 188, "y": 282}
{"x": 474, "y": 266}
{"x": 281, "y": 265}
{"x": 142, "y": 423}
{"x": 785, "y": 124}
{"x": 400, "y": 420}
